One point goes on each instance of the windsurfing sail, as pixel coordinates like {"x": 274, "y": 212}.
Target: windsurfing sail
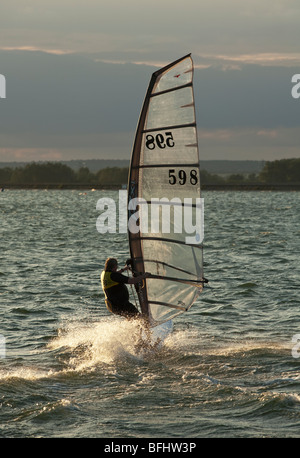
{"x": 164, "y": 185}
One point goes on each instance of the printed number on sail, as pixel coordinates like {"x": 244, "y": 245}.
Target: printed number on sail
{"x": 160, "y": 140}
{"x": 181, "y": 177}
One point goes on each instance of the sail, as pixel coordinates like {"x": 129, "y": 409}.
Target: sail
{"x": 164, "y": 180}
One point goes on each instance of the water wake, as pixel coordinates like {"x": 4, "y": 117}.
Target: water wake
{"x": 105, "y": 342}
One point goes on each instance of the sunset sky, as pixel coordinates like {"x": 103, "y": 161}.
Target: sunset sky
{"x": 76, "y": 74}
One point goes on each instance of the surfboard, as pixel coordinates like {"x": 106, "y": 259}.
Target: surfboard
{"x": 154, "y": 337}
{"x": 160, "y": 333}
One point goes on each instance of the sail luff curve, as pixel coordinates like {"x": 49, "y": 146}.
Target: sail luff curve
{"x": 164, "y": 175}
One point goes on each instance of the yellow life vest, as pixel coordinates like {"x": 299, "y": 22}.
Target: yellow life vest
{"x": 106, "y": 280}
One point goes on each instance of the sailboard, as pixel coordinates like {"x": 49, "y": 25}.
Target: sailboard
{"x": 164, "y": 180}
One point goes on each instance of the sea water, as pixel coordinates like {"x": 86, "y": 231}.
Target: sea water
{"x": 68, "y": 368}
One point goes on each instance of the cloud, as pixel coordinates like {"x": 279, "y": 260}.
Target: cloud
{"x": 77, "y": 73}
{"x": 160, "y": 29}
{"x": 30, "y": 154}
{"x": 34, "y": 48}
{"x": 77, "y": 106}
{"x": 35, "y": 147}
{"x": 235, "y": 62}
{"x": 249, "y": 143}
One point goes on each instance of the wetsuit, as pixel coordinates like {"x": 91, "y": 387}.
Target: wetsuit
{"x": 116, "y": 294}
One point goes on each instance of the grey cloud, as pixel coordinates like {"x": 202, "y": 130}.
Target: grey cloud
{"x": 78, "y": 105}
{"x": 231, "y": 26}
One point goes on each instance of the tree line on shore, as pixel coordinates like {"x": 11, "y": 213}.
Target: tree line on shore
{"x": 285, "y": 171}
{"x": 57, "y": 173}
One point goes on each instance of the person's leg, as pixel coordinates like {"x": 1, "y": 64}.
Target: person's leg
{"x": 130, "y": 310}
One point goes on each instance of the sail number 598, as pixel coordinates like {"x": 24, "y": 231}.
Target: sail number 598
{"x": 182, "y": 177}
{"x": 160, "y": 140}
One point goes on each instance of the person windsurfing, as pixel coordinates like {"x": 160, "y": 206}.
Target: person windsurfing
{"x": 115, "y": 289}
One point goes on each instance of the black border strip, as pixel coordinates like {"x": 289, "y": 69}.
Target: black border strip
{"x": 149, "y": 166}
{"x": 196, "y": 283}
{"x": 168, "y": 265}
{"x": 164, "y": 239}
{"x": 165, "y": 304}
{"x": 178, "y": 126}
{"x": 172, "y": 89}
{"x": 178, "y": 204}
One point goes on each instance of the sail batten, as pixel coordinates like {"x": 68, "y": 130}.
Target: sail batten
{"x": 171, "y": 306}
{"x": 165, "y": 165}
{"x": 176, "y": 268}
{"x": 168, "y": 240}
{"x": 195, "y": 283}
{"x": 178, "y": 126}
{"x": 147, "y": 166}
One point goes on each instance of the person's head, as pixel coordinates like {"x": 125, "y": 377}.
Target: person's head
{"x": 111, "y": 264}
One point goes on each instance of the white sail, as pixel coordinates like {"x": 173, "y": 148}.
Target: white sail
{"x": 165, "y": 170}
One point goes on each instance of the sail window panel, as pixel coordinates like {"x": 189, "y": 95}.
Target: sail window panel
{"x": 178, "y": 75}
{"x": 171, "y": 293}
{"x": 177, "y": 271}
{"x": 160, "y": 314}
{"x": 169, "y": 182}
{"x": 184, "y": 258}
{"x": 166, "y": 291}
{"x": 172, "y": 223}
{"x": 171, "y": 108}
{"x": 170, "y": 146}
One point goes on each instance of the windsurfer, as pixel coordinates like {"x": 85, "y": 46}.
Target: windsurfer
{"x": 115, "y": 290}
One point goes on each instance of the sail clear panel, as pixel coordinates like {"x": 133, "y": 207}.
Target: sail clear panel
{"x": 176, "y": 75}
{"x": 170, "y": 109}
{"x": 165, "y": 176}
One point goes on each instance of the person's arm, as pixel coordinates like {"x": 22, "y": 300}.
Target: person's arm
{"x": 123, "y": 270}
{"x": 134, "y": 280}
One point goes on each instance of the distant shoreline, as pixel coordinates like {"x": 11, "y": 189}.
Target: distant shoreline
{"x": 204, "y": 187}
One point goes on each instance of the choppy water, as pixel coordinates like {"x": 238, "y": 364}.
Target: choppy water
{"x": 71, "y": 370}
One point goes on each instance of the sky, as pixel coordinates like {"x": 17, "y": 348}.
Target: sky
{"x": 76, "y": 74}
